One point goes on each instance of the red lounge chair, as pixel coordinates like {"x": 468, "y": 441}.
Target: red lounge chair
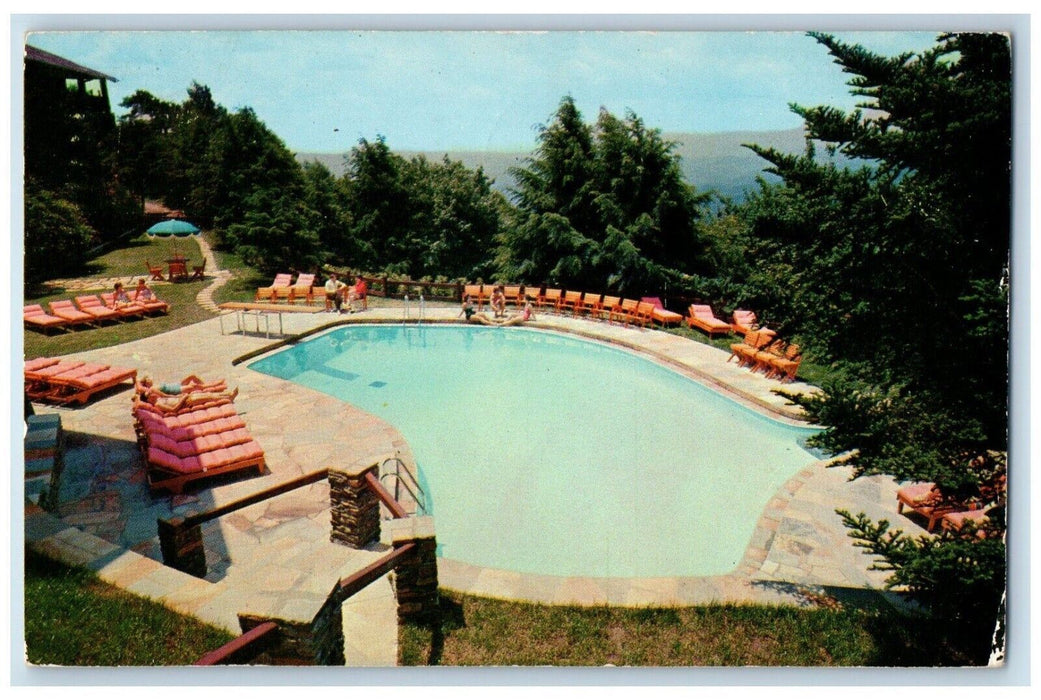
{"x": 660, "y": 314}
{"x": 92, "y": 304}
{"x": 74, "y": 317}
{"x": 302, "y": 289}
{"x": 35, "y": 317}
{"x": 743, "y": 321}
{"x": 701, "y": 316}
{"x": 280, "y": 286}
{"x": 131, "y": 310}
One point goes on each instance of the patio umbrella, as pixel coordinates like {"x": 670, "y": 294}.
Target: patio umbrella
{"x": 173, "y": 227}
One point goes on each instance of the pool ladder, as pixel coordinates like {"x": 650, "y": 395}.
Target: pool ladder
{"x": 395, "y": 469}
{"x": 408, "y": 310}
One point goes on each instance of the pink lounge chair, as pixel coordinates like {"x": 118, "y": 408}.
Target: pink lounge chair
{"x": 74, "y": 382}
{"x": 92, "y": 304}
{"x": 279, "y": 288}
{"x": 926, "y": 500}
{"x": 302, "y": 289}
{"x": 131, "y": 310}
{"x": 701, "y": 316}
{"x": 660, "y": 314}
{"x": 35, "y": 317}
{"x": 64, "y": 308}
{"x": 743, "y": 321}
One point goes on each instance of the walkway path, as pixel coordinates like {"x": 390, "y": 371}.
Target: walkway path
{"x": 271, "y": 556}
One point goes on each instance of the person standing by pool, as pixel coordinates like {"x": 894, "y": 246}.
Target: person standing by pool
{"x": 334, "y": 291}
{"x": 498, "y": 301}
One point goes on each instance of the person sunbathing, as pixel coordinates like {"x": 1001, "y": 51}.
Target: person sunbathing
{"x": 186, "y": 385}
{"x": 175, "y": 404}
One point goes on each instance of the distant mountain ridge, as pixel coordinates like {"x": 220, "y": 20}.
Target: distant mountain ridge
{"x": 709, "y": 161}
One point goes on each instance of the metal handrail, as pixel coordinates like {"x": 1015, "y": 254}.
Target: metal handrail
{"x": 418, "y": 495}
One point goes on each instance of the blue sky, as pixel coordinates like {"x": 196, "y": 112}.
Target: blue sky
{"x": 476, "y": 90}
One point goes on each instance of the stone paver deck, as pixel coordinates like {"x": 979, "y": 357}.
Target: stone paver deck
{"x": 273, "y": 556}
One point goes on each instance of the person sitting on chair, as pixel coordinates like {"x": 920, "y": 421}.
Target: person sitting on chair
{"x": 359, "y": 292}
{"x": 334, "y": 292}
{"x": 143, "y": 292}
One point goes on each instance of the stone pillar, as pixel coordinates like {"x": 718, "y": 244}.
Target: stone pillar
{"x": 182, "y": 546}
{"x": 318, "y": 642}
{"x": 355, "y": 509}
{"x": 415, "y": 578}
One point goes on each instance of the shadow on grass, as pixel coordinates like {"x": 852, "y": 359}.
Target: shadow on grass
{"x": 896, "y": 625}
{"x": 450, "y": 617}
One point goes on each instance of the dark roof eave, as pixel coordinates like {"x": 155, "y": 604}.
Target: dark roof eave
{"x": 39, "y": 55}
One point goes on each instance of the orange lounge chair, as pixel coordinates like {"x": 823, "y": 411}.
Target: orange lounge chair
{"x": 282, "y": 282}
{"x": 754, "y": 342}
{"x": 608, "y": 307}
{"x": 626, "y": 311}
{"x": 64, "y": 308}
{"x": 513, "y": 295}
{"x": 533, "y": 294}
{"x": 131, "y": 310}
{"x": 590, "y": 304}
{"x": 570, "y": 300}
{"x": 303, "y": 288}
{"x": 34, "y": 316}
{"x": 701, "y": 316}
{"x": 92, "y": 304}
{"x": 644, "y": 314}
{"x": 660, "y": 314}
{"x": 551, "y": 298}
{"x": 785, "y": 368}
{"x": 926, "y": 500}
{"x": 476, "y": 294}
{"x": 743, "y": 321}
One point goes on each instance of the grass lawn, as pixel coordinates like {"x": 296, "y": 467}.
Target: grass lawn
{"x": 484, "y": 632}
{"x": 72, "y": 618}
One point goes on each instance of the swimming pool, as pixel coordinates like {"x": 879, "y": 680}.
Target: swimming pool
{"x": 546, "y": 454}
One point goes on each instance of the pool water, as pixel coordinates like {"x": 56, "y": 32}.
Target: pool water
{"x": 542, "y": 453}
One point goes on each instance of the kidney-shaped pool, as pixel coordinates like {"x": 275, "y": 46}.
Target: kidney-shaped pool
{"x": 546, "y": 454}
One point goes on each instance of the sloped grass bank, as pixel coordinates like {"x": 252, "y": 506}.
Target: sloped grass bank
{"x": 72, "y": 618}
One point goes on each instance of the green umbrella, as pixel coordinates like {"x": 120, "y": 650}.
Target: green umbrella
{"x": 173, "y": 227}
